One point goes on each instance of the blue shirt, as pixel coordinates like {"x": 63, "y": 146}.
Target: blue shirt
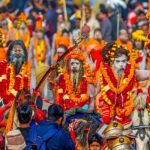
{"x": 60, "y": 141}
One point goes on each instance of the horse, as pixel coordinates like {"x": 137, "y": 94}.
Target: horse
{"x": 85, "y": 124}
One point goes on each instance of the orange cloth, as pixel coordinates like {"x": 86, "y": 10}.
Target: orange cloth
{"x": 92, "y": 44}
{"x": 64, "y": 41}
{"x": 93, "y": 48}
{"x": 2, "y": 53}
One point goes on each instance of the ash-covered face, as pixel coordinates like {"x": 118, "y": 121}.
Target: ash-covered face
{"x": 17, "y": 57}
{"x": 75, "y": 65}
{"x": 119, "y": 64}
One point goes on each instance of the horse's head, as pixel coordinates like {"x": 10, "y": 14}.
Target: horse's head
{"x": 85, "y": 123}
{"x": 85, "y": 129}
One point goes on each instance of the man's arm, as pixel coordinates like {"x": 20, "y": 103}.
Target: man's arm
{"x": 142, "y": 75}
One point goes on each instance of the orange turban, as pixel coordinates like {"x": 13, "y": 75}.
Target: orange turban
{"x": 63, "y": 41}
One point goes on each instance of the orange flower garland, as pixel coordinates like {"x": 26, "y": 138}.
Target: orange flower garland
{"x": 24, "y": 70}
{"x": 103, "y": 91}
{"x": 12, "y": 81}
{"x": 40, "y": 50}
{"x": 90, "y": 76}
{"x": 70, "y": 90}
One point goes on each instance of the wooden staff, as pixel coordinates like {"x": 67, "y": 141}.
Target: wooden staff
{"x": 65, "y": 11}
{"x": 83, "y": 19}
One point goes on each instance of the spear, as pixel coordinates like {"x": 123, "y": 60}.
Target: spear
{"x": 65, "y": 11}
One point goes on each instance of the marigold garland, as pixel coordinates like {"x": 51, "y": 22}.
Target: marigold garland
{"x": 107, "y": 84}
{"x": 11, "y": 74}
{"x": 40, "y": 50}
{"x": 139, "y": 35}
{"x": 70, "y": 90}
{"x": 103, "y": 91}
{"x": 90, "y": 76}
{"x": 12, "y": 81}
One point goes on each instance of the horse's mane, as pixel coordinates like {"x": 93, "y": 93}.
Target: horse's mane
{"x": 88, "y": 123}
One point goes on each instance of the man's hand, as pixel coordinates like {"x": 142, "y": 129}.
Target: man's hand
{"x": 91, "y": 63}
{"x": 142, "y": 75}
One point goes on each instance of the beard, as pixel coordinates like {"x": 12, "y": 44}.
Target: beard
{"x": 74, "y": 70}
{"x": 120, "y": 72}
{"x": 17, "y": 62}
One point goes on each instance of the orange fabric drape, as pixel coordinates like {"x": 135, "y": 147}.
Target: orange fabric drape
{"x": 2, "y": 53}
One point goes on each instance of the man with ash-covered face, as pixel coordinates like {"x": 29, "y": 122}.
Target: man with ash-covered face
{"x": 117, "y": 77}
{"x": 14, "y": 72}
{"x": 71, "y": 86}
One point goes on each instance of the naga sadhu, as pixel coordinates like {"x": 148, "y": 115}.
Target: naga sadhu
{"x": 14, "y": 72}
{"x": 116, "y": 76}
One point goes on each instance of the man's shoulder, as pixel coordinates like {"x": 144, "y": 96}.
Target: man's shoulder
{"x": 45, "y": 126}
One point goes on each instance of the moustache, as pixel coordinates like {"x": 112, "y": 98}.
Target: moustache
{"x": 17, "y": 61}
{"x": 18, "y": 56}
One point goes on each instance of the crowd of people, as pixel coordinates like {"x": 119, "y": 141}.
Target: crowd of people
{"x": 74, "y": 75}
